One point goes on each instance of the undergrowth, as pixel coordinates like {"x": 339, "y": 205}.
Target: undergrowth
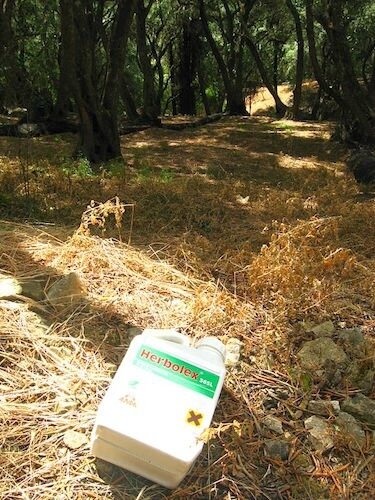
{"x": 216, "y": 232}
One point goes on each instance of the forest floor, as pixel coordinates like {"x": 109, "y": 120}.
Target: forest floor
{"x": 247, "y": 228}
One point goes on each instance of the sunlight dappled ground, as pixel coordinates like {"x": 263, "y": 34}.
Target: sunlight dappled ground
{"x": 242, "y": 228}
{"x": 263, "y": 103}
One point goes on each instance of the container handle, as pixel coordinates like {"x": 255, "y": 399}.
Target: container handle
{"x": 168, "y": 334}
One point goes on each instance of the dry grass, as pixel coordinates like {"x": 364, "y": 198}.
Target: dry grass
{"x": 239, "y": 229}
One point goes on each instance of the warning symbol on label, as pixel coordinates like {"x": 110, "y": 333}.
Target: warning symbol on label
{"x": 194, "y": 418}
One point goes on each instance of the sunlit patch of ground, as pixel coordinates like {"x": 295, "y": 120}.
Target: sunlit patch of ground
{"x": 263, "y": 103}
{"x": 245, "y": 147}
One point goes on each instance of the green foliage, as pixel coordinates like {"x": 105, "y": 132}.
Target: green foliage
{"x": 145, "y": 174}
{"x": 306, "y": 382}
{"x": 166, "y": 175}
{"x": 116, "y": 168}
{"x": 37, "y": 26}
{"x": 79, "y": 168}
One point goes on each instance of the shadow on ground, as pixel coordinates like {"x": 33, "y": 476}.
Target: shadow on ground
{"x": 108, "y": 336}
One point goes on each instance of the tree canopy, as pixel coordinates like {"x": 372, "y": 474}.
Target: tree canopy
{"x": 135, "y": 60}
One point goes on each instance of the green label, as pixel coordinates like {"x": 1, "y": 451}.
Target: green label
{"x": 176, "y": 370}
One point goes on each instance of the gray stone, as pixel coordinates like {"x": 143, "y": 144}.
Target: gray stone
{"x": 12, "y": 306}
{"x": 29, "y": 129}
{"x": 233, "y": 352}
{"x": 133, "y": 331}
{"x": 303, "y": 463}
{"x": 360, "y": 376}
{"x": 68, "y": 290}
{"x": 350, "y": 430}
{"x": 367, "y": 382}
{"x": 325, "y": 329}
{"x": 270, "y": 403}
{"x": 282, "y": 394}
{"x": 351, "y": 337}
{"x": 324, "y": 407}
{"x": 297, "y": 414}
{"x": 277, "y": 449}
{"x": 307, "y": 326}
{"x": 64, "y": 404}
{"x": 319, "y": 433}
{"x": 316, "y": 354}
{"x": 33, "y": 289}
{"x": 9, "y": 286}
{"x": 336, "y": 378}
{"x": 74, "y": 439}
{"x": 362, "y": 165}
{"x": 361, "y": 407}
{"x": 273, "y": 424}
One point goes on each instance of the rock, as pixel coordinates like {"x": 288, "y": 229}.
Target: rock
{"x": 36, "y": 324}
{"x": 33, "y": 289}
{"x": 273, "y": 424}
{"x": 74, "y": 439}
{"x": 367, "y": 381}
{"x": 242, "y": 200}
{"x": 361, "y": 407}
{"x": 12, "y": 306}
{"x": 282, "y": 394}
{"x": 361, "y": 376}
{"x": 319, "y": 432}
{"x": 362, "y": 165}
{"x": 336, "y": 378}
{"x": 63, "y": 405}
{"x": 316, "y": 354}
{"x": 325, "y": 329}
{"x": 9, "y": 286}
{"x": 350, "y": 430}
{"x": 297, "y": 414}
{"x": 133, "y": 331}
{"x": 68, "y": 290}
{"x": 29, "y": 129}
{"x": 270, "y": 403}
{"x": 325, "y": 408}
{"x": 303, "y": 463}
{"x": 307, "y": 326}
{"x": 107, "y": 471}
{"x": 351, "y": 337}
{"x": 277, "y": 449}
{"x": 233, "y": 352}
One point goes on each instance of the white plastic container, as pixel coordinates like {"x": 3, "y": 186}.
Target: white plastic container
{"x": 161, "y": 399}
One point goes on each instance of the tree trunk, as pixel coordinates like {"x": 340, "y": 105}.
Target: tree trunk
{"x": 128, "y": 101}
{"x": 371, "y": 84}
{"x": 318, "y": 73}
{"x": 186, "y": 101}
{"x": 16, "y": 89}
{"x": 62, "y": 103}
{"x": 362, "y": 126}
{"x": 297, "y": 93}
{"x": 275, "y": 70}
{"x": 280, "y": 106}
{"x": 173, "y": 82}
{"x": 151, "y": 109}
{"x": 235, "y": 100}
{"x": 99, "y": 134}
{"x": 202, "y": 86}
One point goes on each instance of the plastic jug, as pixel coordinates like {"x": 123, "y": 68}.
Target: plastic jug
{"x": 161, "y": 399}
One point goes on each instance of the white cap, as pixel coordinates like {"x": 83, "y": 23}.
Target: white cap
{"x": 212, "y": 343}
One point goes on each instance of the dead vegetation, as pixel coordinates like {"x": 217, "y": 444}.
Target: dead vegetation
{"x": 240, "y": 229}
